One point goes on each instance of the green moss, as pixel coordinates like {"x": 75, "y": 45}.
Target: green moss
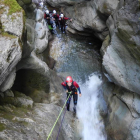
{"x": 9, "y": 112}
{"x": 5, "y": 113}
{"x": 20, "y": 111}
{"x": 7, "y": 100}
{"x": 17, "y": 94}
{"x": 20, "y": 43}
{"x": 1, "y": 28}
{"x": 0, "y": 25}
{"x": 24, "y": 17}
{"x": 2, "y": 127}
{"x": 105, "y": 6}
{"x": 13, "y": 6}
{"x": 7, "y": 116}
{"x": 5, "y": 34}
{"x": 125, "y": 36}
{"x": 13, "y": 18}
{"x": 1, "y": 10}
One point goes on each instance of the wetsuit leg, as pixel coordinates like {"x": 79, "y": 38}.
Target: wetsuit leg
{"x": 68, "y": 102}
{"x": 75, "y": 98}
{"x": 64, "y": 28}
{"x": 57, "y": 25}
{"x": 61, "y": 28}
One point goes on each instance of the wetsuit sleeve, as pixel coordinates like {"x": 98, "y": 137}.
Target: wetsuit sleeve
{"x": 77, "y": 86}
{"x": 66, "y": 18}
{"x": 64, "y": 85}
{"x": 44, "y": 15}
{"x": 79, "y": 90}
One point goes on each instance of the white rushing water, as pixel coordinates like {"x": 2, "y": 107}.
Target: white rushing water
{"x": 88, "y": 112}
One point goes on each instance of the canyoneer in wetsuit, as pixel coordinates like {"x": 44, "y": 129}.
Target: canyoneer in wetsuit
{"x": 56, "y": 18}
{"x": 47, "y": 17}
{"x": 62, "y": 21}
{"x": 71, "y": 87}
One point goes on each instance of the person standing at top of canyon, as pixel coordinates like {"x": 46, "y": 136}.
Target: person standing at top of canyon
{"x": 47, "y": 16}
{"x": 62, "y": 21}
{"x": 56, "y": 18}
{"x": 71, "y": 88}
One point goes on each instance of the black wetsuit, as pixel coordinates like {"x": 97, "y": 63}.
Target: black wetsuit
{"x": 73, "y": 93}
{"x": 63, "y": 23}
{"x": 56, "y": 17}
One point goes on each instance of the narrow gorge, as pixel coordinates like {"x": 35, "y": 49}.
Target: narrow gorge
{"x": 100, "y": 50}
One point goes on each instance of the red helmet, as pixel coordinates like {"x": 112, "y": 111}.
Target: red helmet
{"x": 69, "y": 79}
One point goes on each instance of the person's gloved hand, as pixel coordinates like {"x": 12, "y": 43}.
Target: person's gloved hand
{"x": 80, "y": 94}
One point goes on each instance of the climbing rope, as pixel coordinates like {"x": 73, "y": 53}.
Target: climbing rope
{"x": 58, "y": 117}
{"x": 61, "y": 124}
{"x": 62, "y": 121}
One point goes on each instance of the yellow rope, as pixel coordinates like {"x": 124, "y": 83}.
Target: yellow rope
{"x": 58, "y": 117}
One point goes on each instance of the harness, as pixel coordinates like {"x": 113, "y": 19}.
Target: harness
{"x": 71, "y": 88}
{"x": 63, "y": 21}
{"x": 47, "y": 15}
{"x": 55, "y": 16}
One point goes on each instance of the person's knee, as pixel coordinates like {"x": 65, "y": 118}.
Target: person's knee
{"x": 75, "y": 102}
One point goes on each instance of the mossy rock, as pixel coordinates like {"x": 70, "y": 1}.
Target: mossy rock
{"x": 19, "y": 100}
{"x": 8, "y": 100}
{"x": 126, "y": 38}
{"x": 19, "y": 94}
{"x": 9, "y": 111}
{"x": 7, "y": 35}
{"x": 13, "y": 6}
{"x": 2, "y": 127}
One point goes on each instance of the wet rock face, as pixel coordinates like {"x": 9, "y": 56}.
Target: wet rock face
{"x": 106, "y": 7}
{"x": 16, "y": 98}
{"x": 103, "y": 6}
{"x": 28, "y": 7}
{"x": 121, "y": 51}
{"x": 87, "y": 19}
{"x": 10, "y": 56}
{"x": 41, "y": 33}
{"x": 13, "y": 23}
{"x": 121, "y": 58}
{"x": 21, "y": 123}
{"x": 123, "y": 113}
{"x": 11, "y": 30}
{"x": 60, "y": 3}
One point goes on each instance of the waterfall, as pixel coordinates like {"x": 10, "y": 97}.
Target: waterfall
{"x": 88, "y": 112}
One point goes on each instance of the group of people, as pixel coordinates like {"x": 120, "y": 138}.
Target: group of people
{"x": 60, "y": 20}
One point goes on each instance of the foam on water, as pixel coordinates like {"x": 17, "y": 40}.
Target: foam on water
{"x": 88, "y": 112}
